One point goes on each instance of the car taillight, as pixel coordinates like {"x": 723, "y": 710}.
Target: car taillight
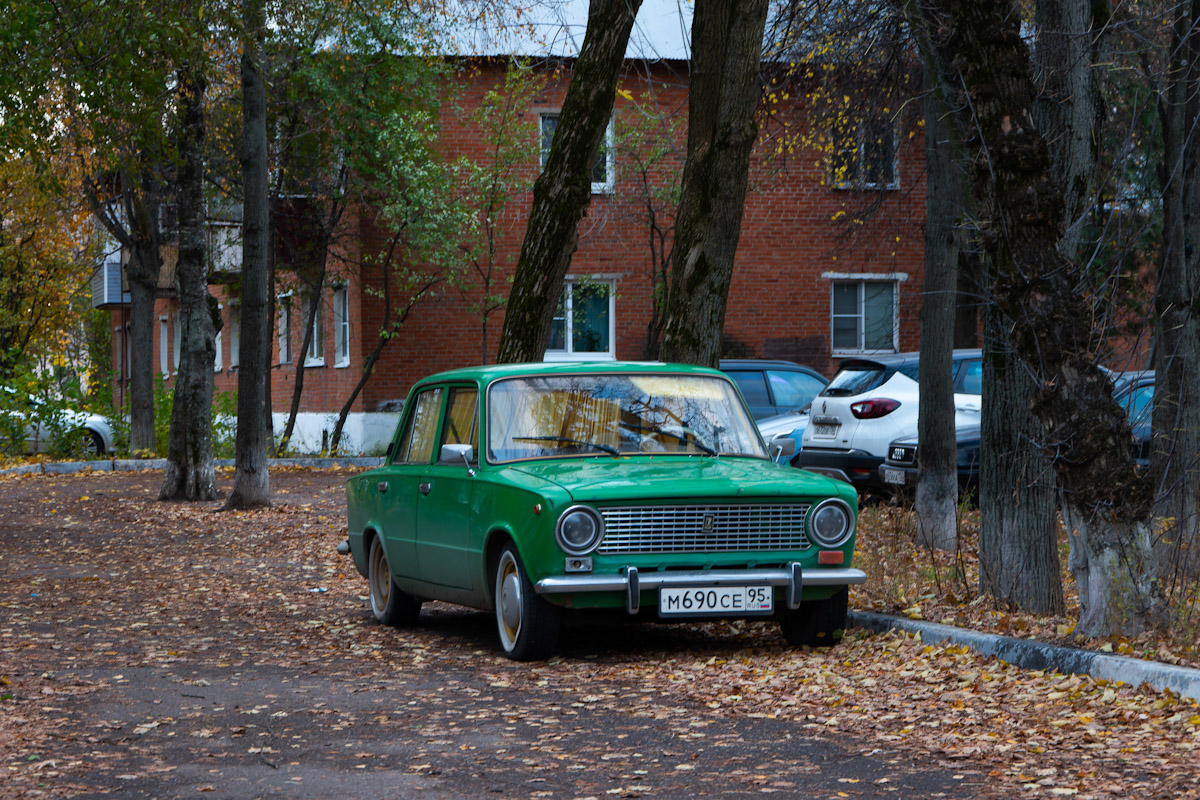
{"x": 873, "y": 409}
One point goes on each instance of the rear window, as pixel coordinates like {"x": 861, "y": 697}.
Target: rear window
{"x": 857, "y": 378}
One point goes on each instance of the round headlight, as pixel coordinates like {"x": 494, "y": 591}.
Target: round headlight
{"x": 578, "y": 530}
{"x": 830, "y": 523}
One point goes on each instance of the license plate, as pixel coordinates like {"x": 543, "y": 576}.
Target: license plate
{"x": 715, "y": 601}
{"x": 893, "y": 476}
{"x": 828, "y": 431}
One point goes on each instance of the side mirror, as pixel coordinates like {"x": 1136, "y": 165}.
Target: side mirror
{"x": 456, "y": 452}
{"x": 782, "y": 445}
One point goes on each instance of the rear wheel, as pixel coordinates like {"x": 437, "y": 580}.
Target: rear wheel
{"x": 528, "y": 625}
{"x": 817, "y": 623}
{"x": 389, "y": 604}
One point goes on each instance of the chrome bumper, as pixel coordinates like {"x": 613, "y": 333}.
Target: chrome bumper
{"x": 632, "y": 582}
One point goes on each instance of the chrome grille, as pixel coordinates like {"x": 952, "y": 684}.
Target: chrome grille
{"x": 689, "y": 529}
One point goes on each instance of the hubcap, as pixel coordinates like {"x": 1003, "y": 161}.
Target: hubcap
{"x": 509, "y": 600}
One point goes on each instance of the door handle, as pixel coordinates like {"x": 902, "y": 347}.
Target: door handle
{"x": 424, "y": 488}
{"x": 383, "y": 486}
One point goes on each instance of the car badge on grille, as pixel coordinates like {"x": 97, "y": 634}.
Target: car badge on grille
{"x": 709, "y": 521}
{"x": 897, "y": 453}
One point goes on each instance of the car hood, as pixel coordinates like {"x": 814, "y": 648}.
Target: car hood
{"x": 677, "y": 478}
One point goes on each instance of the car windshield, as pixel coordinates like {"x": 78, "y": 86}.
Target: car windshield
{"x": 617, "y": 414}
{"x": 855, "y": 379}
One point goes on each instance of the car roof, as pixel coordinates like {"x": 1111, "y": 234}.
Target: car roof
{"x": 491, "y": 372}
{"x": 764, "y": 363}
{"x": 899, "y": 359}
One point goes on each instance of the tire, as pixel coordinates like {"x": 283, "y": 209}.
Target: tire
{"x": 389, "y": 604}
{"x": 527, "y": 624}
{"x": 817, "y": 623}
{"x": 93, "y": 445}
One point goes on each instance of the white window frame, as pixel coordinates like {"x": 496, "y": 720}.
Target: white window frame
{"x": 218, "y": 362}
{"x": 568, "y": 354}
{"x": 164, "y": 344}
{"x": 862, "y": 278}
{"x": 315, "y": 356}
{"x": 608, "y": 185}
{"x": 283, "y": 314}
{"x": 176, "y": 339}
{"x": 859, "y": 157}
{"x": 341, "y": 326}
{"x": 235, "y": 335}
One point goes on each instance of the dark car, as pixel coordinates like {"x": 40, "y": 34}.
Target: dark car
{"x": 1135, "y": 394}
{"x": 899, "y": 469}
{"x": 773, "y": 387}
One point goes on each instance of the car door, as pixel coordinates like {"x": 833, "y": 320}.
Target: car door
{"x": 968, "y": 393}
{"x": 398, "y": 482}
{"x": 446, "y": 490}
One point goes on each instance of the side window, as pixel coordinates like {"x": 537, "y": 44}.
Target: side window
{"x": 972, "y": 380}
{"x": 1137, "y": 404}
{"x": 462, "y": 423}
{"x": 793, "y": 389}
{"x": 752, "y": 386}
{"x": 416, "y": 445}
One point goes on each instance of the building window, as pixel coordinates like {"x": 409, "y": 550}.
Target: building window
{"x": 164, "y": 343}
{"x": 866, "y": 158}
{"x": 603, "y": 171}
{"x": 218, "y": 362}
{"x": 283, "y": 306}
{"x": 315, "y": 356}
{"x": 235, "y": 335}
{"x": 341, "y": 326}
{"x": 864, "y": 318}
{"x": 583, "y": 328}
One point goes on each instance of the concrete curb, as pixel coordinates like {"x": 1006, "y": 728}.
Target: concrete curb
{"x": 133, "y": 465}
{"x": 1029, "y": 654}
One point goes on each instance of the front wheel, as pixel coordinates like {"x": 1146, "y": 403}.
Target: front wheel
{"x": 817, "y": 623}
{"x": 528, "y": 625}
{"x": 389, "y": 604}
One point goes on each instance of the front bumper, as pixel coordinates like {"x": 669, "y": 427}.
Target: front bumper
{"x": 632, "y": 582}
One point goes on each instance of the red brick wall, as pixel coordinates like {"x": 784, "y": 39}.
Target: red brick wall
{"x": 796, "y": 228}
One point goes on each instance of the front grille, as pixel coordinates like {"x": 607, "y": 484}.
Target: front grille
{"x": 903, "y": 454}
{"x": 691, "y": 529}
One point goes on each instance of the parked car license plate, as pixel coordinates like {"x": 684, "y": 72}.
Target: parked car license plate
{"x": 825, "y": 430}
{"x": 715, "y": 600}
{"x": 893, "y": 476}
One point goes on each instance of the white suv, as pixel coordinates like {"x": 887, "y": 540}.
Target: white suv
{"x": 870, "y": 402}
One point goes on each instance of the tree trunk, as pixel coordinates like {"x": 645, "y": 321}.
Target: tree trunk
{"x": 190, "y": 472}
{"x": 1175, "y": 456}
{"x": 563, "y": 191}
{"x": 937, "y": 484}
{"x": 1038, "y": 289}
{"x": 1018, "y": 502}
{"x": 725, "y": 90}
{"x": 251, "y": 478}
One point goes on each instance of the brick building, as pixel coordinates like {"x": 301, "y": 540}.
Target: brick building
{"x": 824, "y": 269}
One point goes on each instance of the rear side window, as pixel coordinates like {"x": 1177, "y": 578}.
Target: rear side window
{"x": 793, "y": 389}
{"x": 753, "y": 387}
{"x": 416, "y": 445}
{"x": 857, "y": 378}
{"x": 972, "y": 379}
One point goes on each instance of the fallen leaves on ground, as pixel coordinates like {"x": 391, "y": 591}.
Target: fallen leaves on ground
{"x": 121, "y": 587}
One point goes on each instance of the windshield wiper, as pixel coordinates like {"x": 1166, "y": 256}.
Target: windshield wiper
{"x": 608, "y": 448}
{"x": 680, "y": 436}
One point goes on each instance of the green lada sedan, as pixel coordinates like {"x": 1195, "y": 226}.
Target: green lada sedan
{"x": 534, "y": 490}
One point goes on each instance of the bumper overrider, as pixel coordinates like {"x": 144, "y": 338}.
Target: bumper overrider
{"x": 633, "y": 583}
